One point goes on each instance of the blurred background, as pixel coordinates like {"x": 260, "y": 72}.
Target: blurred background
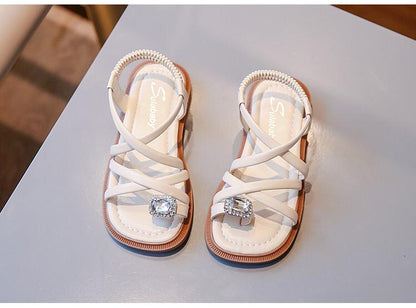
{"x": 46, "y": 50}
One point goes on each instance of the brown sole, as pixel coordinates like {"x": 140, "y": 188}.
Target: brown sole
{"x": 185, "y": 229}
{"x": 280, "y": 251}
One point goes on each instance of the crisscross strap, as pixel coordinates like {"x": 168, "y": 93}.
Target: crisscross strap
{"x": 117, "y": 97}
{"x": 118, "y": 100}
{"x": 248, "y": 123}
{"x": 275, "y": 150}
{"x": 143, "y": 182}
{"x": 235, "y": 186}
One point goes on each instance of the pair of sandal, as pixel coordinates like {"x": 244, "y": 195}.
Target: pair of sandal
{"x": 148, "y": 203}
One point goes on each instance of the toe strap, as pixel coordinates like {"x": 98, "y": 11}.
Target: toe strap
{"x": 141, "y": 182}
{"x": 254, "y": 190}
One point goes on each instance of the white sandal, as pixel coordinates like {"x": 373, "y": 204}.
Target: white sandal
{"x": 257, "y": 209}
{"x": 148, "y": 202}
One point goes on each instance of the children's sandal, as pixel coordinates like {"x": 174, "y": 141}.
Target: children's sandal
{"x": 147, "y": 200}
{"x": 257, "y": 209}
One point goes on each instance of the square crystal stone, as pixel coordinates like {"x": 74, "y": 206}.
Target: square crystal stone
{"x": 239, "y": 207}
{"x": 162, "y": 206}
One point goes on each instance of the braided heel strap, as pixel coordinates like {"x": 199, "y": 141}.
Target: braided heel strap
{"x": 156, "y": 57}
{"x": 279, "y": 77}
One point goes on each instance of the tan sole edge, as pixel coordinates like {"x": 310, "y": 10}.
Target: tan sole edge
{"x": 185, "y": 229}
{"x": 280, "y": 251}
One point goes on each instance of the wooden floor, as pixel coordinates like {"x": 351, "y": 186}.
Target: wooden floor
{"x": 34, "y": 93}
{"x": 399, "y": 18}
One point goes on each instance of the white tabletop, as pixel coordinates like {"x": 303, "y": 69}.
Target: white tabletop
{"x": 357, "y": 239}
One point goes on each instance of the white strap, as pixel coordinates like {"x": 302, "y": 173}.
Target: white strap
{"x": 247, "y": 188}
{"x": 279, "y": 150}
{"x": 154, "y": 56}
{"x": 275, "y": 76}
{"x": 138, "y": 144}
{"x": 267, "y": 201}
{"x": 139, "y": 181}
{"x": 182, "y": 208}
{"x": 114, "y": 91}
{"x": 133, "y": 186}
{"x": 276, "y": 149}
{"x": 149, "y": 182}
{"x": 292, "y": 159}
{"x": 235, "y": 186}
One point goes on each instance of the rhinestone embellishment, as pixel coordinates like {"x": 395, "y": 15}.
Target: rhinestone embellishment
{"x": 239, "y": 207}
{"x": 162, "y": 206}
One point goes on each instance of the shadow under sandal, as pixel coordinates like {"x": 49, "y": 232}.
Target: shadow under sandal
{"x": 148, "y": 201}
{"x": 256, "y": 212}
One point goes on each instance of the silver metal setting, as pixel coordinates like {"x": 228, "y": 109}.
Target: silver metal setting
{"x": 163, "y": 206}
{"x": 237, "y": 206}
